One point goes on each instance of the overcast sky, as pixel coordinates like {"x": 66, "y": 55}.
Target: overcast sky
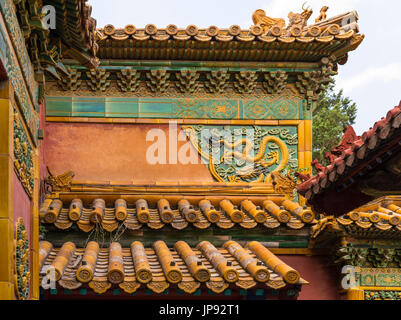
{"x": 371, "y": 77}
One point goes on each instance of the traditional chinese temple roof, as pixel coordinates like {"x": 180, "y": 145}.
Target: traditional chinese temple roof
{"x": 181, "y": 212}
{"x": 362, "y": 169}
{"x": 160, "y": 267}
{"x": 271, "y": 41}
{"x": 380, "y": 219}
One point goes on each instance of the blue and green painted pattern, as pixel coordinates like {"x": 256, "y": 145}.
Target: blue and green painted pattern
{"x": 380, "y": 277}
{"x": 175, "y": 65}
{"x": 175, "y": 108}
{"x": 18, "y": 78}
{"x": 7, "y": 9}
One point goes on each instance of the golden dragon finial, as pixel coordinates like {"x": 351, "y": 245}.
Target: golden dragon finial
{"x": 300, "y": 19}
{"x": 260, "y": 19}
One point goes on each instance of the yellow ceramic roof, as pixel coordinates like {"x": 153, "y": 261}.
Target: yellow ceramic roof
{"x": 378, "y": 219}
{"x": 179, "y": 213}
{"x": 160, "y": 267}
{"x": 329, "y": 37}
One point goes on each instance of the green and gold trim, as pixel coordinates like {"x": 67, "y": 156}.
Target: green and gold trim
{"x": 23, "y": 155}
{"x": 22, "y": 273}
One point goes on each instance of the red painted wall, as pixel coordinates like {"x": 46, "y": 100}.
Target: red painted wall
{"x": 324, "y": 281}
{"x": 113, "y": 152}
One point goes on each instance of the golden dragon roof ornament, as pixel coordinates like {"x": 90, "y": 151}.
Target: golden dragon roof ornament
{"x": 61, "y": 182}
{"x": 260, "y": 18}
{"x": 300, "y": 19}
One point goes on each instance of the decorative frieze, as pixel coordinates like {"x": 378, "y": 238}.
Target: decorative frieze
{"x": 22, "y": 273}
{"x": 190, "y": 81}
{"x": 70, "y": 82}
{"x": 378, "y": 277}
{"x": 369, "y": 257}
{"x": 217, "y": 81}
{"x": 275, "y": 82}
{"x": 311, "y": 83}
{"x": 23, "y": 156}
{"x": 17, "y": 38}
{"x": 382, "y": 295}
{"x": 127, "y": 80}
{"x": 187, "y": 81}
{"x": 158, "y": 80}
{"x": 98, "y": 79}
{"x": 372, "y": 268}
{"x": 245, "y": 81}
{"x": 287, "y": 106}
{"x": 383, "y": 257}
{"x": 308, "y": 83}
{"x": 20, "y": 79}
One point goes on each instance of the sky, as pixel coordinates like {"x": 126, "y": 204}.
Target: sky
{"x": 371, "y": 77}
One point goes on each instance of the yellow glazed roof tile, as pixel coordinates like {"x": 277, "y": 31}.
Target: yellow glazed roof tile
{"x": 159, "y": 267}
{"x": 180, "y": 212}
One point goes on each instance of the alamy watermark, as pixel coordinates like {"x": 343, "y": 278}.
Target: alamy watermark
{"x": 349, "y": 280}
{"x": 49, "y": 278}
{"x": 216, "y": 145}
{"x": 48, "y": 17}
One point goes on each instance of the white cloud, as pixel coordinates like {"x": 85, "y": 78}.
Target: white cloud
{"x": 281, "y": 8}
{"x": 384, "y": 74}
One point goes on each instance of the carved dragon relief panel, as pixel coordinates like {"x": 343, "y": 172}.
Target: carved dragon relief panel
{"x": 245, "y": 154}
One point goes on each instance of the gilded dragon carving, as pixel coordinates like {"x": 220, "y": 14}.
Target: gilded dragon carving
{"x": 249, "y": 159}
{"x": 61, "y": 182}
{"x": 257, "y": 161}
{"x": 284, "y": 184}
{"x": 300, "y": 19}
{"x": 260, "y": 18}
{"x": 286, "y": 181}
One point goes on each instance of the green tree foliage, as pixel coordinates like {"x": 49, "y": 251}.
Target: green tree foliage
{"x": 333, "y": 113}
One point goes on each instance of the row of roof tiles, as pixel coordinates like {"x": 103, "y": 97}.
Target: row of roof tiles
{"x": 379, "y": 219}
{"x": 261, "y": 42}
{"x": 354, "y": 155}
{"x": 246, "y": 47}
{"x": 201, "y": 214}
{"x": 159, "y": 267}
{"x": 234, "y": 33}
